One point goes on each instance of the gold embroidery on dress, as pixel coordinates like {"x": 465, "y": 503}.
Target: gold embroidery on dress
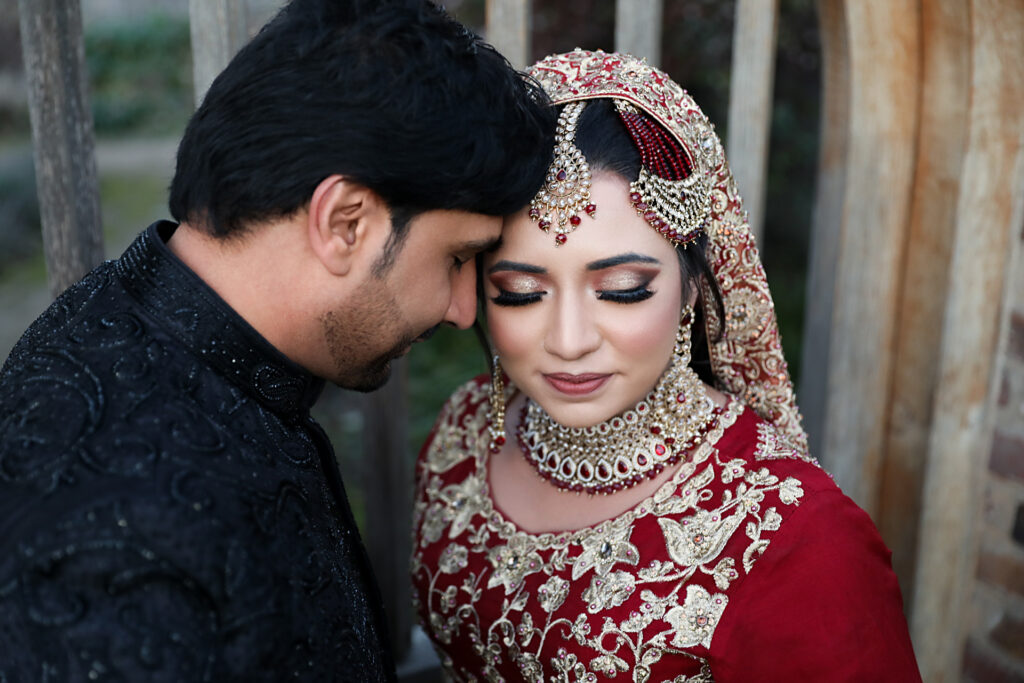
{"x": 602, "y": 562}
{"x": 771, "y": 444}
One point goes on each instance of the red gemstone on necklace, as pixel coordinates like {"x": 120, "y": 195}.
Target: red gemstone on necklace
{"x": 659, "y": 449}
{"x": 560, "y": 238}
{"x": 575, "y": 220}
{"x": 590, "y": 209}
{"x": 561, "y": 174}
{"x": 641, "y": 460}
{"x": 534, "y": 212}
{"x": 544, "y": 224}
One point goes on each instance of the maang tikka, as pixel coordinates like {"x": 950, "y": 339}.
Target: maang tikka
{"x": 566, "y": 189}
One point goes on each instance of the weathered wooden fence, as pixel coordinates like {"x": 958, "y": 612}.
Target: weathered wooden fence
{"x": 920, "y": 195}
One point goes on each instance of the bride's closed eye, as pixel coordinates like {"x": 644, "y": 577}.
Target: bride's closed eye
{"x": 516, "y": 299}
{"x": 626, "y": 296}
{"x": 517, "y": 290}
{"x": 625, "y": 287}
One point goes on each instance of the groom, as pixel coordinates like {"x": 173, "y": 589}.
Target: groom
{"x": 168, "y": 509}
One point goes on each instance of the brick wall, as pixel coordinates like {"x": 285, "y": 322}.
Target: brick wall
{"x": 994, "y": 652}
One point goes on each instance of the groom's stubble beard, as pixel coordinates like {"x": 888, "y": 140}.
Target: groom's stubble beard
{"x": 364, "y": 336}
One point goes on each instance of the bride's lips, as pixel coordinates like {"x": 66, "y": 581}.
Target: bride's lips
{"x": 576, "y": 385}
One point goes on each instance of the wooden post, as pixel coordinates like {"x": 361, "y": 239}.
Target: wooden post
{"x": 945, "y": 79}
{"x": 387, "y": 488}
{"x": 826, "y": 221}
{"x": 62, "y": 136}
{"x": 508, "y": 30}
{"x": 989, "y": 214}
{"x": 883, "y": 40}
{"x": 218, "y": 31}
{"x": 638, "y": 28}
{"x": 750, "y": 103}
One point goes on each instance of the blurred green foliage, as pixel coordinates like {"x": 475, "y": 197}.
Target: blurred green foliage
{"x": 436, "y": 368}
{"x": 140, "y": 75}
{"x": 20, "y": 237}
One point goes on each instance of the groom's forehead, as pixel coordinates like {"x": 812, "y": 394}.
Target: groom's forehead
{"x": 456, "y": 230}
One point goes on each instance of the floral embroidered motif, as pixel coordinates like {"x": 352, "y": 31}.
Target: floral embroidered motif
{"x": 699, "y": 538}
{"x": 552, "y": 594}
{"x": 608, "y": 591}
{"x": 694, "y": 622}
{"x": 627, "y": 597}
{"x": 512, "y": 563}
{"x": 603, "y": 550}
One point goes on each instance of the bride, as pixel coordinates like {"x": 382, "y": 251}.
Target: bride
{"x": 630, "y": 494}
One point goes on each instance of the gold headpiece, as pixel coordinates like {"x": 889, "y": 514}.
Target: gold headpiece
{"x": 567, "y": 186}
{"x": 673, "y": 199}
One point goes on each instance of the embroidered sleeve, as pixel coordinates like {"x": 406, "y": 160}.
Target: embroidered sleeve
{"x": 822, "y": 604}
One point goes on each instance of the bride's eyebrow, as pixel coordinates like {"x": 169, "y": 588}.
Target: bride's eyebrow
{"x": 621, "y": 259}
{"x": 517, "y": 267}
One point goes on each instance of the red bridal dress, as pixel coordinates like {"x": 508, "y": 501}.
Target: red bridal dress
{"x": 748, "y": 565}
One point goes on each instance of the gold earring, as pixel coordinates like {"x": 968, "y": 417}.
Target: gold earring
{"x": 497, "y": 397}
{"x": 684, "y": 335}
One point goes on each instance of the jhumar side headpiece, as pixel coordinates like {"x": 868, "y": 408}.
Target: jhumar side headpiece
{"x": 748, "y": 358}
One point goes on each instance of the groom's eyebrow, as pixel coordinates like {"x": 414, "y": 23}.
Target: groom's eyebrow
{"x": 517, "y": 267}
{"x": 479, "y": 246}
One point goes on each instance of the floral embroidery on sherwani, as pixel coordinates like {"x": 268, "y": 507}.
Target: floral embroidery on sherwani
{"x": 636, "y": 597}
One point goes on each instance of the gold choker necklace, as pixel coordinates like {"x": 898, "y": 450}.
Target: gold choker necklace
{"x": 621, "y": 452}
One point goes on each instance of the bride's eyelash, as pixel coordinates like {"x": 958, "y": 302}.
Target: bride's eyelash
{"x": 620, "y": 296}
{"x": 516, "y": 299}
{"x": 626, "y": 296}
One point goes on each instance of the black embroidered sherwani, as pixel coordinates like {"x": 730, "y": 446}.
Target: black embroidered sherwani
{"x": 169, "y": 511}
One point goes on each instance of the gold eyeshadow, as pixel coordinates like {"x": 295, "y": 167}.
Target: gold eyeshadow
{"x": 516, "y": 283}
{"x": 624, "y": 278}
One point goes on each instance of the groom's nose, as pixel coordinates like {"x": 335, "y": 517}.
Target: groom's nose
{"x": 462, "y": 307}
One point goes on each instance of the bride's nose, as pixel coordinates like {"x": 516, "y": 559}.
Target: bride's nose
{"x": 572, "y": 330}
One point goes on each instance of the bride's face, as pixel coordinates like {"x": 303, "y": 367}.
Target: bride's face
{"x": 587, "y": 328}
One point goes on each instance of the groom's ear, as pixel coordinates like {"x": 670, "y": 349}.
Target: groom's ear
{"x": 347, "y": 224}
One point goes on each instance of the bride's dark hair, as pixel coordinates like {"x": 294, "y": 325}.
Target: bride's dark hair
{"x": 607, "y": 146}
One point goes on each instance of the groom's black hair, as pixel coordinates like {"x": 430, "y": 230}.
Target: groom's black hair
{"x": 392, "y": 94}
